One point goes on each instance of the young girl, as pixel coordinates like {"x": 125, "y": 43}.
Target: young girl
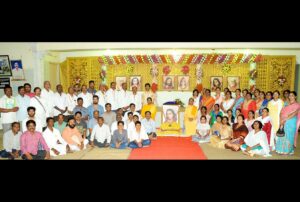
{"x": 202, "y": 132}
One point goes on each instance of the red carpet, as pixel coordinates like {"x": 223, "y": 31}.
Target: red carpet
{"x": 169, "y": 148}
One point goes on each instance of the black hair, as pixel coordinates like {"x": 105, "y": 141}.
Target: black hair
{"x": 260, "y": 124}
{"x": 20, "y": 87}
{"x": 107, "y": 104}
{"x": 7, "y": 87}
{"x": 147, "y": 112}
{"x": 95, "y": 96}
{"x": 147, "y": 84}
{"x": 203, "y": 107}
{"x": 30, "y": 108}
{"x": 129, "y": 113}
{"x": 294, "y": 92}
{"x": 48, "y": 119}
{"x": 91, "y": 81}
{"x": 241, "y": 115}
{"x": 80, "y": 98}
{"x": 266, "y": 109}
{"x": 78, "y": 113}
{"x": 37, "y": 88}
{"x": 203, "y": 117}
{"x": 195, "y": 91}
{"x": 131, "y": 104}
{"x": 15, "y": 123}
{"x": 149, "y": 98}
{"x": 27, "y": 84}
{"x": 29, "y": 122}
{"x": 276, "y": 91}
{"x": 138, "y": 122}
{"x": 121, "y": 122}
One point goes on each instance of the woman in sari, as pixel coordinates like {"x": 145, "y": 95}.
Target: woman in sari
{"x": 214, "y": 114}
{"x": 217, "y": 126}
{"x": 218, "y": 97}
{"x": 286, "y": 94}
{"x": 203, "y": 112}
{"x": 227, "y": 102}
{"x": 208, "y": 101}
{"x": 250, "y": 120}
{"x": 219, "y": 140}
{"x": 267, "y": 126}
{"x": 265, "y": 102}
{"x": 275, "y": 107}
{"x": 237, "y": 113}
{"x": 190, "y": 118}
{"x": 238, "y": 101}
{"x": 259, "y": 103}
{"x": 240, "y": 131}
{"x": 230, "y": 117}
{"x": 290, "y": 120}
{"x": 256, "y": 142}
{"x": 248, "y": 104}
{"x": 196, "y": 97}
{"x": 256, "y": 94}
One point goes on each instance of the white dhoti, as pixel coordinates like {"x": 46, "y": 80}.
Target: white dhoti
{"x": 76, "y": 148}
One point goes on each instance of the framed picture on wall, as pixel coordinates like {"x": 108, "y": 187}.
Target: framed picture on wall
{"x": 233, "y": 82}
{"x": 183, "y": 83}
{"x": 215, "y": 82}
{"x": 17, "y": 70}
{"x": 168, "y": 82}
{"x": 119, "y": 81}
{"x": 5, "y": 67}
{"x": 136, "y": 81}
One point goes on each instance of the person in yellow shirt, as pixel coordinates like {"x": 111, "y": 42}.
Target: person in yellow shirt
{"x": 149, "y": 107}
{"x": 190, "y": 118}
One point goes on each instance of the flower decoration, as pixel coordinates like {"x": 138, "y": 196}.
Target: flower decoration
{"x": 166, "y": 70}
{"x": 253, "y": 74}
{"x": 185, "y": 69}
{"x": 226, "y": 69}
{"x": 129, "y": 69}
{"x": 154, "y": 87}
{"x": 199, "y": 73}
{"x": 199, "y": 87}
{"x": 281, "y": 80}
{"x": 77, "y": 80}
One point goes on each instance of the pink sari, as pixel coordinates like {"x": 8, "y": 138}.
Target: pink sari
{"x": 286, "y": 111}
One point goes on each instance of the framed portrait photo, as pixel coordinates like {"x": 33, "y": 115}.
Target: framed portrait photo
{"x": 17, "y": 70}
{"x": 233, "y": 82}
{"x": 170, "y": 113}
{"x": 5, "y": 66}
{"x": 183, "y": 83}
{"x": 168, "y": 83}
{"x": 215, "y": 82}
{"x": 135, "y": 81}
{"x": 119, "y": 81}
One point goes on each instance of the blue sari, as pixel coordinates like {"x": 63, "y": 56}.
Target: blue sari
{"x": 237, "y": 105}
{"x": 263, "y": 105}
{"x": 285, "y": 145}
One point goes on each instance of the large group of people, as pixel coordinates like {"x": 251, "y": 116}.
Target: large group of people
{"x": 44, "y": 124}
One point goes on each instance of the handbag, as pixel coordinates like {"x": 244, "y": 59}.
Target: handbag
{"x": 280, "y": 132}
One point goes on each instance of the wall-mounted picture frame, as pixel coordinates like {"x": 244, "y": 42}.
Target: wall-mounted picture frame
{"x": 119, "y": 81}
{"x": 215, "y": 82}
{"x": 233, "y": 82}
{"x": 168, "y": 83}
{"x": 136, "y": 81}
{"x": 183, "y": 83}
{"x": 5, "y": 66}
{"x": 17, "y": 70}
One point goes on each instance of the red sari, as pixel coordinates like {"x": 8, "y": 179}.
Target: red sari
{"x": 251, "y": 106}
{"x": 208, "y": 102}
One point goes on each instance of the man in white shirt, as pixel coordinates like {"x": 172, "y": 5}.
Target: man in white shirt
{"x": 111, "y": 96}
{"x": 139, "y": 137}
{"x": 8, "y": 109}
{"x": 131, "y": 126}
{"x": 54, "y": 140}
{"x": 101, "y": 135}
{"x": 114, "y": 125}
{"x": 86, "y": 96}
{"x": 31, "y": 116}
{"x": 101, "y": 95}
{"x": 48, "y": 96}
{"x": 136, "y": 98}
{"x": 23, "y": 102}
{"x": 11, "y": 142}
{"x": 133, "y": 111}
{"x": 71, "y": 101}
{"x": 149, "y": 125}
{"x": 40, "y": 107}
{"x": 60, "y": 102}
{"x": 124, "y": 97}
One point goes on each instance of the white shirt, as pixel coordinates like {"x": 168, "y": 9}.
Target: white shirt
{"x": 23, "y": 102}
{"x": 38, "y": 127}
{"x": 11, "y": 141}
{"x": 60, "y": 101}
{"x": 134, "y": 113}
{"x": 101, "y": 133}
{"x": 227, "y": 104}
{"x": 114, "y": 126}
{"x": 123, "y": 98}
{"x": 87, "y": 99}
{"x": 40, "y": 112}
{"x": 203, "y": 128}
{"x": 259, "y": 138}
{"x": 137, "y": 100}
{"x": 71, "y": 102}
{"x": 51, "y": 138}
{"x": 131, "y": 129}
{"x": 111, "y": 97}
{"x": 139, "y": 136}
{"x": 8, "y": 103}
{"x": 48, "y": 97}
{"x": 102, "y": 98}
